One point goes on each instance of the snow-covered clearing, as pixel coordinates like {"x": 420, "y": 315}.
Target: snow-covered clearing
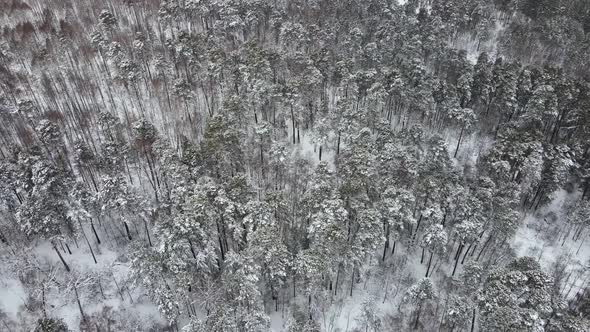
{"x": 110, "y": 273}
{"x": 542, "y": 235}
{"x": 12, "y": 296}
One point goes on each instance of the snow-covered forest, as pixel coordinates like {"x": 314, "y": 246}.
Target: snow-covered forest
{"x": 294, "y": 165}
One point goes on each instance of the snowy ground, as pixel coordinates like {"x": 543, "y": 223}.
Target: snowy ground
{"x": 538, "y": 237}
{"x": 12, "y": 294}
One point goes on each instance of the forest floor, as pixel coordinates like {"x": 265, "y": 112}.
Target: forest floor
{"x": 109, "y": 270}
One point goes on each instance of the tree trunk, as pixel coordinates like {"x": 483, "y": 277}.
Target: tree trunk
{"x": 91, "y": 251}
{"x": 44, "y": 301}
{"x": 418, "y": 317}
{"x": 417, "y": 227}
{"x": 192, "y": 249}
{"x": 429, "y": 263}
{"x": 459, "y": 250}
{"x": 94, "y": 231}
{"x": 293, "y": 123}
{"x": 484, "y": 247}
{"x": 61, "y": 258}
{"x": 220, "y": 240}
{"x": 352, "y": 282}
{"x": 387, "y": 230}
{"x": 459, "y": 142}
{"x": 101, "y": 289}
{"x": 118, "y": 288}
{"x": 79, "y": 304}
{"x": 535, "y": 197}
{"x": 466, "y": 252}
{"x": 386, "y": 289}
{"x": 337, "y": 281}
{"x": 474, "y": 248}
{"x": 127, "y": 230}
{"x": 457, "y": 255}
{"x": 6, "y": 325}
{"x": 147, "y": 232}
{"x": 87, "y": 242}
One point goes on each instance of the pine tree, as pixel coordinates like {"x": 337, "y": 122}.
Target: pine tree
{"x": 420, "y": 295}
{"x": 458, "y": 314}
{"x": 516, "y": 297}
{"x": 434, "y": 240}
{"x": 51, "y": 325}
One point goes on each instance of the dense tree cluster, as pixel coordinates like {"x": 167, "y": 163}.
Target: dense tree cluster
{"x": 246, "y": 157}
